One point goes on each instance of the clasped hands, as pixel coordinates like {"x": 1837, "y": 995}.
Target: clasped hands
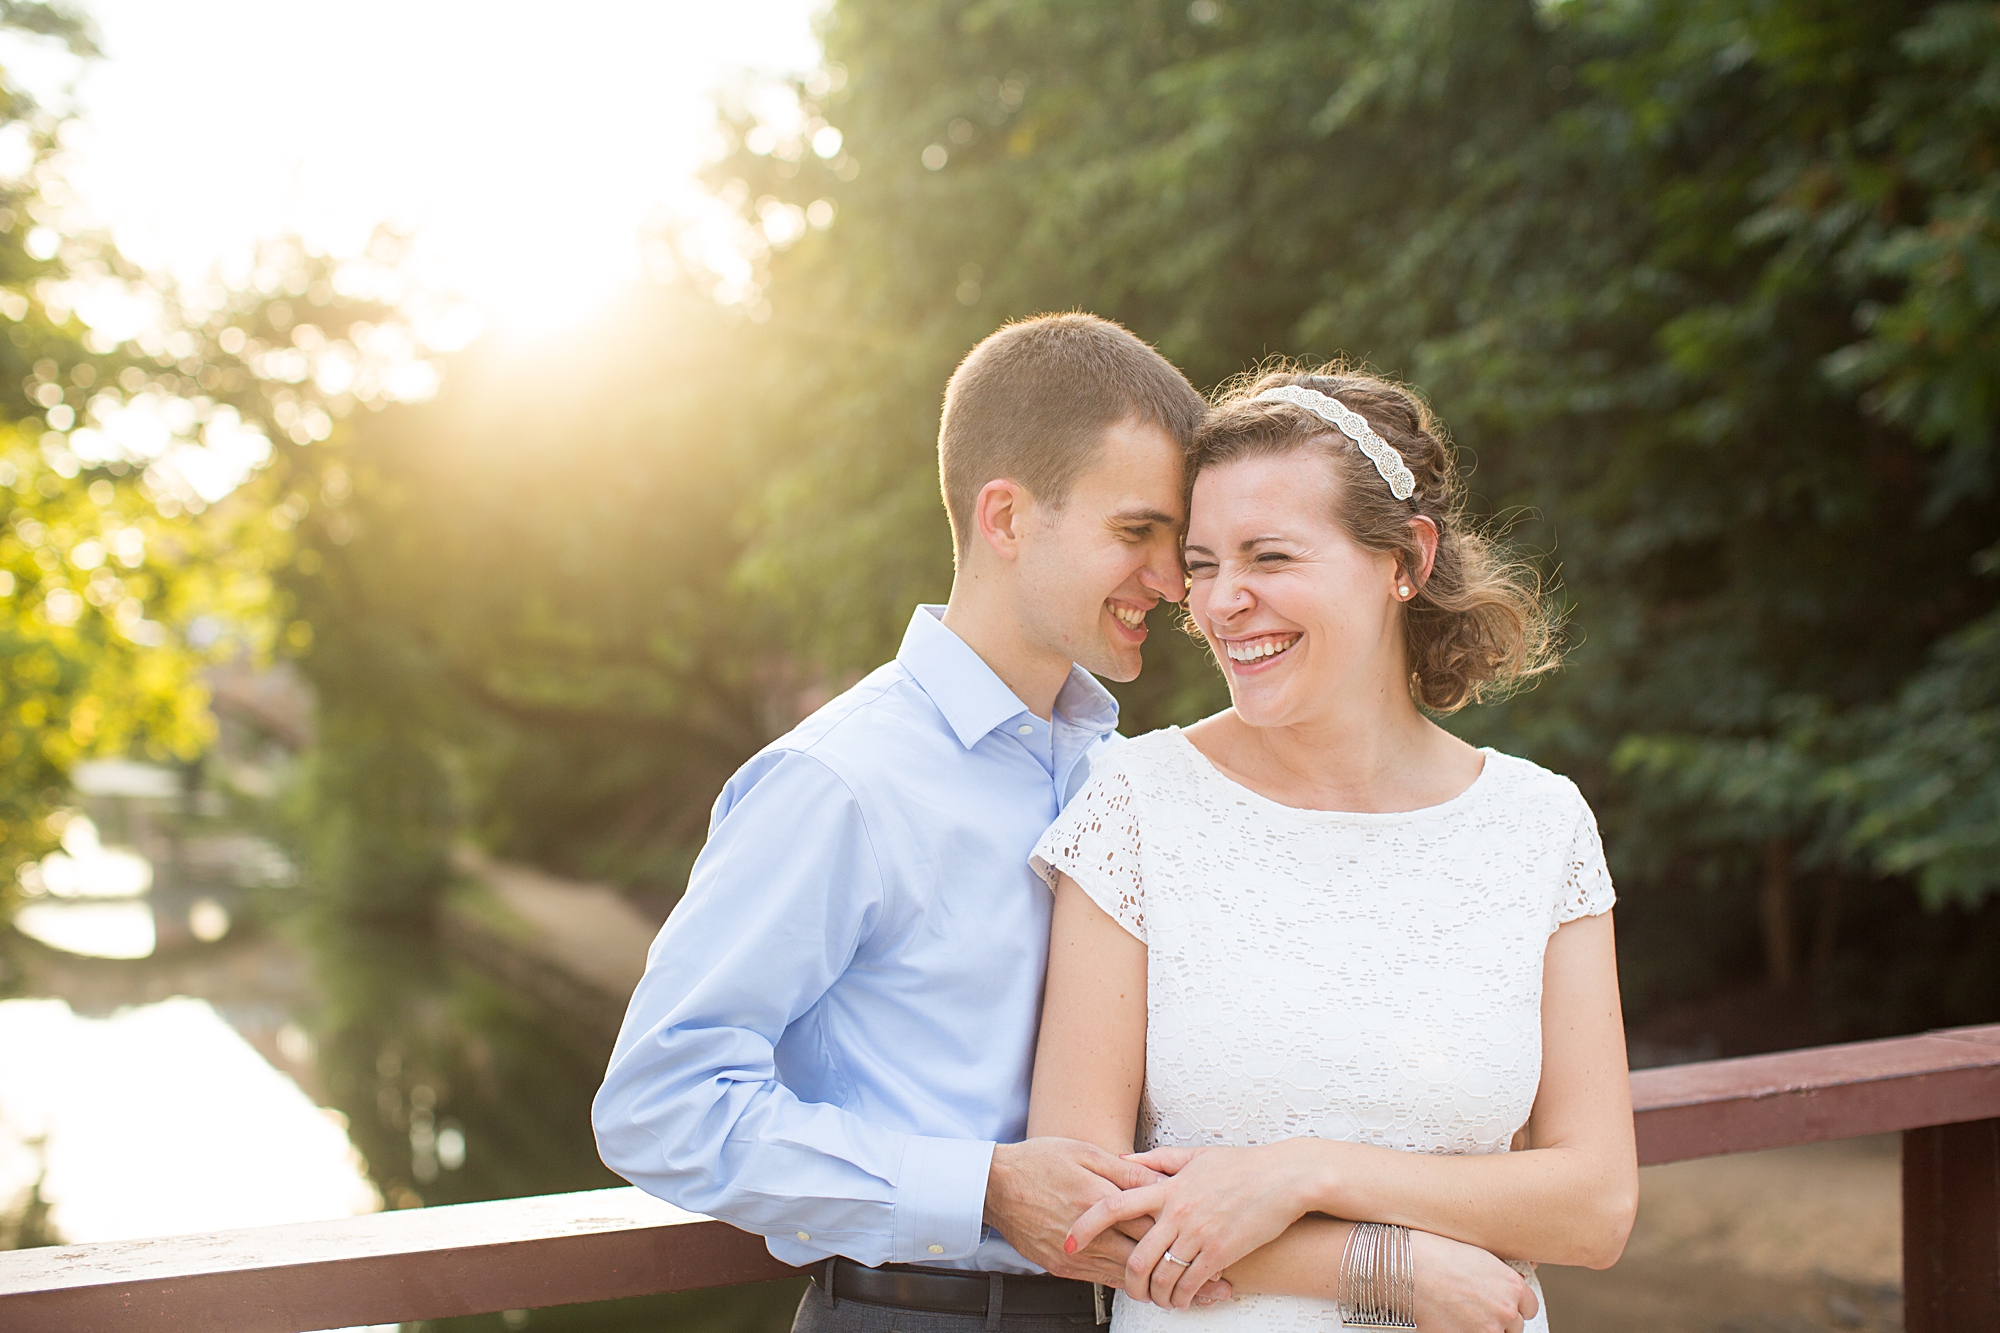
{"x": 1037, "y": 1191}
{"x": 1203, "y": 1210}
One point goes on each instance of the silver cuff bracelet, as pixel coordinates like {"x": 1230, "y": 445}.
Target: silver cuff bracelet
{"x": 1378, "y": 1281}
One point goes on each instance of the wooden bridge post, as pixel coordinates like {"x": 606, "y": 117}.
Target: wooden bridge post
{"x": 1951, "y": 1227}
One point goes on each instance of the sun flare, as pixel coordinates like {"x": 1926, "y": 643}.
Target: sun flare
{"x": 528, "y": 156}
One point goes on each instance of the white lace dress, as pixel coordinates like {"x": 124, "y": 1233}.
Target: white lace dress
{"x": 1374, "y": 978}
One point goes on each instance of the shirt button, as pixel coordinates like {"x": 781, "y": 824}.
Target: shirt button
{"x": 805, "y": 1235}
{"x": 937, "y": 1249}
{"x": 1028, "y": 729}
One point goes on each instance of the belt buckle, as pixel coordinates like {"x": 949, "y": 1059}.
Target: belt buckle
{"x": 1097, "y": 1301}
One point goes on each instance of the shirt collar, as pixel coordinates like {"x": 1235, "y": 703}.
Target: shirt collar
{"x": 973, "y": 699}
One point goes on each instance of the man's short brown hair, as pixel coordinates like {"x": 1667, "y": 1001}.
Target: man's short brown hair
{"x": 1032, "y": 403}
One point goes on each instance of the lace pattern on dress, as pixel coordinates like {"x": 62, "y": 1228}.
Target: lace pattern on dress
{"x": 1587, "y": 887}
{"x": 1374, "y": 978}
{"x": 1096, "y": 843}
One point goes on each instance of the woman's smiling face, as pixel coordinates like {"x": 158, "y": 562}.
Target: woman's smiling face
{"x": 1298, "y": 616}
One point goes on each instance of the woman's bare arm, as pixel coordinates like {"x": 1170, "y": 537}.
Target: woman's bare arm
{"x": 1459, "y": 1288}
{"x": 1091, "y": 1060}
{"x": 1569, "y": 1198}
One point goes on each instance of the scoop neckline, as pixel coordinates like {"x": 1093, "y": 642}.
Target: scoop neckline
{"x": 1443, "y": 807}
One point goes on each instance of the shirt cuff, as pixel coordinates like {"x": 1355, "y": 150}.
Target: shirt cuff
{"x": 940, "y": 1199}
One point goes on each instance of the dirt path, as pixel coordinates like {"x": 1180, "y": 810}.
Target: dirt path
{"x": 589, "y": 930}
{"x": 1793, "y": 1240}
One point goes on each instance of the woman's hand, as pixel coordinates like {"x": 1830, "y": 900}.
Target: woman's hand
{"x": 1463, "y": 1289}
{"x": 1219, "y": 1205}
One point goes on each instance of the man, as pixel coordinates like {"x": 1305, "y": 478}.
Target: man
{"x": 832, "y": 1043}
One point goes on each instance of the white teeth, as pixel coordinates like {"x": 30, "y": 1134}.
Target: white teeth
{"x": 1260, "y": 650}
{"x": 1131, "y": 617}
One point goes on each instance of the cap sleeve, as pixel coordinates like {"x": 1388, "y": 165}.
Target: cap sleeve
{"x": 1586, "y": 889}
{"x": 1096, "y": 842}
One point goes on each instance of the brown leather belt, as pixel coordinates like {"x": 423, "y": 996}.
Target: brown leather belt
{"x": 961, "y": 1291}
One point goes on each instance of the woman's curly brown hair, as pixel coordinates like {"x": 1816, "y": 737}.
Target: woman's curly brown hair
{"x": 1481, "y": 625}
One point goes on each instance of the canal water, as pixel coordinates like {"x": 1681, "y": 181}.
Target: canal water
{"x": 185, "y": 1048}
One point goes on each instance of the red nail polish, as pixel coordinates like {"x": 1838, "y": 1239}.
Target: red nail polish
{"x": 1069, "y": 1244}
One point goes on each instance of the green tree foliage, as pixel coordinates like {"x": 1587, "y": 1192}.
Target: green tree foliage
{"x": 524, "y": 622}
{"x": 1928, "y": 788}
{"x": 85, "y": 667}
{"x": 127, "y": 583}
{"x": 1705, "y": 287}
{"x": 303, "y": 349}
{"x": 1818, "y": 187}
{"x": 290, "y": 357}
{"x": 1706, "y": 290}
{"x": 96, "y": 583}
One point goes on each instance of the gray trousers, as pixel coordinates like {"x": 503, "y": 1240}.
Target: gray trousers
{"x": 817, "y": 1314}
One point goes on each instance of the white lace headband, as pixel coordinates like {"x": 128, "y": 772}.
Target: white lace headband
{"x": 1402, "y": 484}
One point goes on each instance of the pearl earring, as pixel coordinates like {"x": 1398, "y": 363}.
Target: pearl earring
{"x": 1403, "y": 591}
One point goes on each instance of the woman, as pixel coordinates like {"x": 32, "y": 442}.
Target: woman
{"x": 1316, "y": 956}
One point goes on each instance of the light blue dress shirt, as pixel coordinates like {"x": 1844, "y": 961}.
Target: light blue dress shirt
{"x": 838, "y": 1021}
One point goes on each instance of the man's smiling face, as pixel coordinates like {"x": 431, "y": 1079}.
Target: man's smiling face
{"x": 1111, "y": 553}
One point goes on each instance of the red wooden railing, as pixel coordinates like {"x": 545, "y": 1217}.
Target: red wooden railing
{"x": 1941, "y": 1091}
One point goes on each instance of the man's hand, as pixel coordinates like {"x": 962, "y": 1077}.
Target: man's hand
{"x": 1036, "y": 1189}
{"x": 1463, "y": 1289}
{"x": 1221, "y": 1204}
